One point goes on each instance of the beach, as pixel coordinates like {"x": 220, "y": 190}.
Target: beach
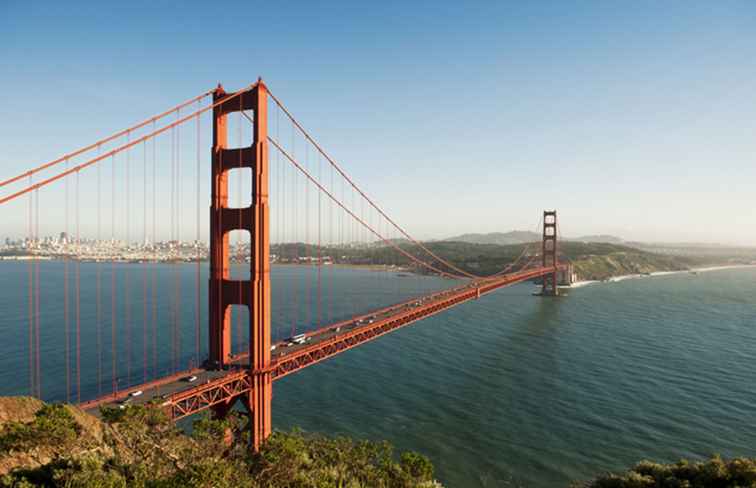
{"x": 579, "y": 284}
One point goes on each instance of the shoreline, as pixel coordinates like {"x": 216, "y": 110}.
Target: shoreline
{"x": 614, "y": 279}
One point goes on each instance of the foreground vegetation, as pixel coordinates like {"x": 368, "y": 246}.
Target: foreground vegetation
{"x": 59, "y": 445}
{"x": 714, "y": 473}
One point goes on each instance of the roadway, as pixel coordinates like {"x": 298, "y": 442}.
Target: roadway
{"x": 164, "y": 388}
{"x": 182, "y": 397}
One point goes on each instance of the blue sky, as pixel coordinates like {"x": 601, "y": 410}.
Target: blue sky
{"x": 631, "y": 118}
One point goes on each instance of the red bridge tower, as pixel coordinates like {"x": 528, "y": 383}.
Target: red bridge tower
{"x": 549, "y": 253}
{"x": 255, "y": 292}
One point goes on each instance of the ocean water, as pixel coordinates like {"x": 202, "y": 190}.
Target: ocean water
{"x": 508, "y": 390}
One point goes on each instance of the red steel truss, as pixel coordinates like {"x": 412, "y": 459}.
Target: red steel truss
{"x": 221, "y": 392}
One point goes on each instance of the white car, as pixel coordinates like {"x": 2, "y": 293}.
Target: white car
{"x": 190, "y": 379}
{"x": 136, "y": 393}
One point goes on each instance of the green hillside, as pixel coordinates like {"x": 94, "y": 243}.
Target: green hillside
{"x": 501, "y": 238}
{"x": 523, "y": 236}
{"x": 598, "y": 261}
{"x": 592, "y": 260}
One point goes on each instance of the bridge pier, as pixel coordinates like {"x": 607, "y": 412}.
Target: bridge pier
{"x": 220, "y": 411}
{"x": 257, "y": 405}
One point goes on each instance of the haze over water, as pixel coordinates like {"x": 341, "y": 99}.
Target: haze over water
{"x": 510, "y": 390}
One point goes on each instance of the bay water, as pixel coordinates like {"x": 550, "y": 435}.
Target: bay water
{"x": 508, "y": 390}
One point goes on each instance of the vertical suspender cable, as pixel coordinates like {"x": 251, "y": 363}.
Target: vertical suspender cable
{"x": 36, "y": 301}
{"x": 66, "y": 301}
{"x": 177, "y": 274}
{"x": 32, "y": 363}
{"x": 113, "y": 328}
{"x": 282, "y": 218}
{"x": 99, "y": 277}
{"x": 320, "y": 254}
{"x": 198, "y": 258}
{"x": 280, "y": 201}
{"x": 295, "y": 232}
{"x": 342, "y": 246}
{"x": 353, "y": 239}
{"x": 154, "y": 255}
{"x": 78, "y": 296}
{"x": 174, "y": 256}
{"x": 331, "y": 240}
{"x": 126, "y": 268}
{"x": 308, "y": 274}
{"x": 144, "y": 262}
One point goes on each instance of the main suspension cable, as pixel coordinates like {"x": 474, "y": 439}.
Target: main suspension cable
{"x": 102, "y": 141}
{"x": 354, "y": 216}
{"x": 373, "y": 204}
{"x": 124, "y": 147}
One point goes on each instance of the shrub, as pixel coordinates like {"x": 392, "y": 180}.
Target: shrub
{"x": 216, "y": 473}
{"x": 52, "y": 425}
{"x": 295, "y": 459}
{"x": 134, "y": 414}
{"x": 713, "y": 473}
{"x": 417, "y": 466}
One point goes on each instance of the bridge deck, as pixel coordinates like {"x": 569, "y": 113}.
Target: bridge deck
{"x": 181, "y": 397}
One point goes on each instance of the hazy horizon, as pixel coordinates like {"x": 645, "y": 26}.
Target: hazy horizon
{"x": 432, "y": 239}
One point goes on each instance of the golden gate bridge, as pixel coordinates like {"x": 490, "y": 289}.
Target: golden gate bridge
{"x": 130, "y": 191}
